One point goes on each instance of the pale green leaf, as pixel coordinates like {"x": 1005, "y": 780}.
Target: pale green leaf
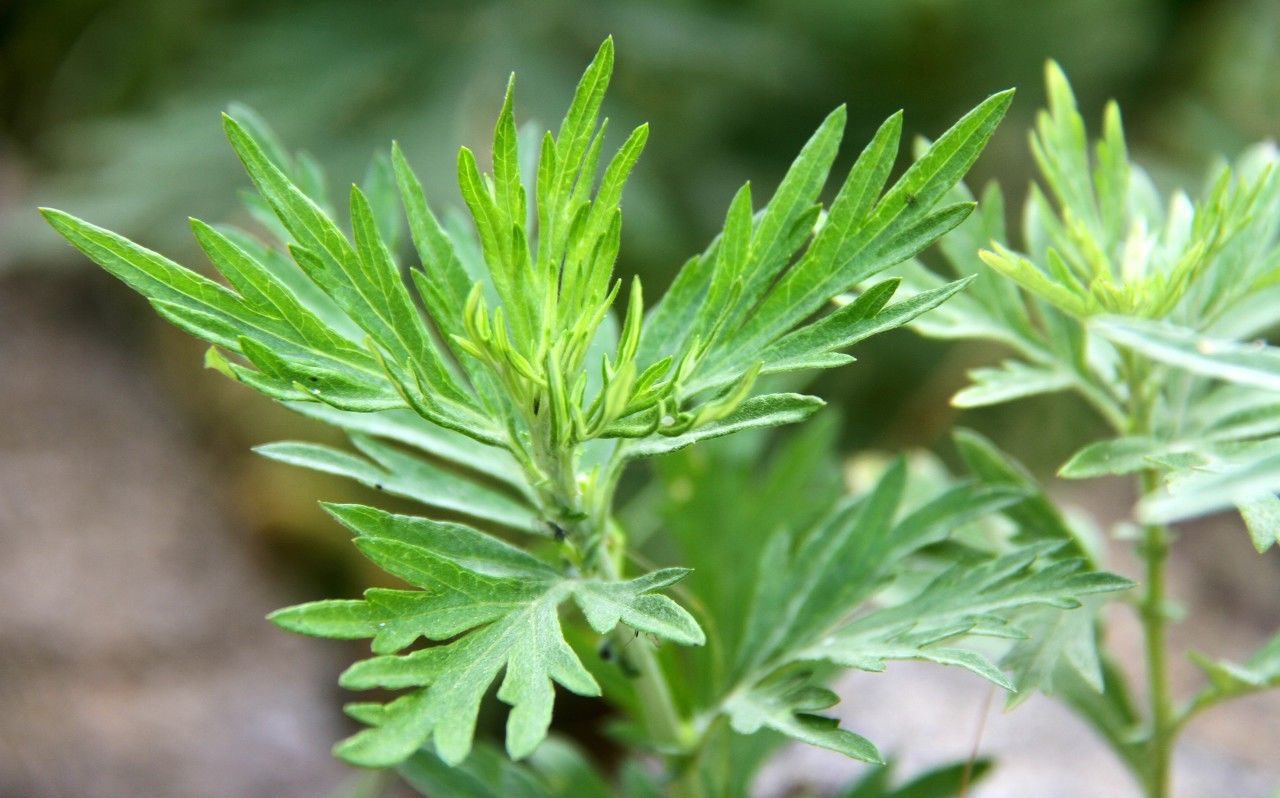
{"x": 400, "y": 473}
{"x": 1011, "y": 380}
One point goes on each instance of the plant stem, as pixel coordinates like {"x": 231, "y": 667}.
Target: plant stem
{"x": 593, "y": 527}
{"x": 1155, "y": 550}
{"x": 661, "y": 717}
{"x": 1153, "y": 613}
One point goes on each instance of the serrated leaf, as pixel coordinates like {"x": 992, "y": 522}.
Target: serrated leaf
{"x": 1054, "y": 641}
{"x": 1012, "y": 380}
{"x": 398, "y": 472}
{"x": 405, "y": 427}
{"x": 786, "y": 704}
{"x": 498, "y": 608}
{"x": 957, "y": 601}
{"x": 852, "y": 245}
{"x": 606, "y": 604}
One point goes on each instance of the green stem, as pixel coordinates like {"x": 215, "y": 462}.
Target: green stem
{"x": 597, "y": 544}
{"x": 1155, "y": 551}
{"x": 1152, "y": 611}
{"x": 657, "y": 705}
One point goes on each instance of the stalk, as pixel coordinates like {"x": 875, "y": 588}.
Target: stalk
{"x": 1154, "y": 551}
{"x": 596, "y": 544}
{"x": 657, "y": 705}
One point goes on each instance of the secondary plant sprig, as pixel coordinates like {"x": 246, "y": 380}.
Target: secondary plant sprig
{"x": 1144, "y": 306}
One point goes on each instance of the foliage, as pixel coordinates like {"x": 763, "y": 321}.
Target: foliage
{"x": 502, "y": 391}
{"x": 1115, "y": 283}
{"x": 1148, "y": 309}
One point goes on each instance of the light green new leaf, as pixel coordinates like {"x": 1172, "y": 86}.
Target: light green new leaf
{"x": 769, "y": 410}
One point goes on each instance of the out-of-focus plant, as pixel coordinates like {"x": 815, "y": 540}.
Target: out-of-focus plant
{"x": 1147, "y": 308}
{"x": 504, "y": 392}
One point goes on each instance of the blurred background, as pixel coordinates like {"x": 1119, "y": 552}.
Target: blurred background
{"x": 143, "y": 543}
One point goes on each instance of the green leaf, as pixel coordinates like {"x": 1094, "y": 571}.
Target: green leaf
{"x": 218, "y": 315}
{"x": 1012, "y": 380}
{"x": 498, "y": 608}
{"x": 962, "y": 599}
{"x": 1246, "y": 364}
{"x": 405, "y": 427}
{"x": 947, "y": 781}
{"x": 1037, "y": 517}
{"x": 487, "y": 773}
{"x": 398, "y": 472}
{"x": 786, "y": 704}
{"x": 1228, "y": 680}
{"x": 770, "y": 410}
{"x": 1113, "y": 457}
{"x": 849, "y": 325}
{"x": 442, "y": 281}
{"x": 852, "y": 245}
{"x": 669, "y": 324}
{"x": 525, "y": 641}
{"x": 459, "y": 543}
{"x": 606, "y": 604}
{"x": 362, "y": 279}
{"x": 1241, "y": 482}
{"x": 1055, "y": 642}
{"x": 335, "y": 618}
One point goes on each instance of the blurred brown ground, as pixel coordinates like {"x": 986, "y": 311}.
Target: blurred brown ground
{"x": 134, "y": 660}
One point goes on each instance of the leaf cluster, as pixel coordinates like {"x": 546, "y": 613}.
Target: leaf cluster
{"x": 494, "y": 383}
{"x": 929, "y": 568}
{"x": 1147, "y": 308}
